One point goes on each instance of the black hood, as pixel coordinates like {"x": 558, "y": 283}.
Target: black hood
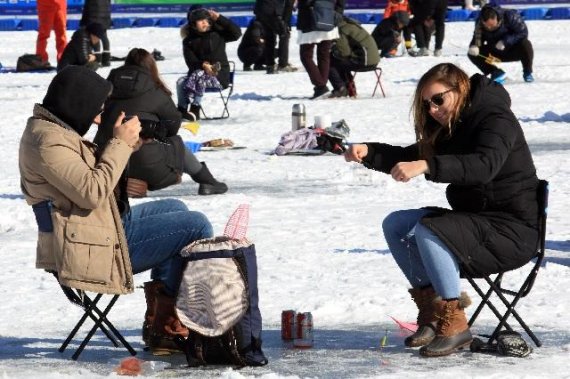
{"x": 76, "y": 95}
{"x": 130, "y": 82}
{"x": 486, "y": 96}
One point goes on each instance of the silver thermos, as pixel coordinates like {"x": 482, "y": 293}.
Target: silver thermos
{"x": 299, "y": 117}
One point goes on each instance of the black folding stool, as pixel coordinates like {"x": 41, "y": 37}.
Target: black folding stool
{"x": 495, "y": 285}
{"x": 91, "y": 310}
{"x": 224, "y": 93}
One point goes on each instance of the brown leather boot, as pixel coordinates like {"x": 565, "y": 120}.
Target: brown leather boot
{"x": 424, "y": 299}
{"x": 166, "y": 326}
{"x": 136, "y": 188}
{"x": 150, "y": 291}
{"x": 452, "y": 332}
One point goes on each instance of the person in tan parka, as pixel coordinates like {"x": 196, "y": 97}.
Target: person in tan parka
{"x": 88, "y": 234}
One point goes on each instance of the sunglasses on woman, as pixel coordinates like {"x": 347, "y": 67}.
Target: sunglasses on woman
{"x": 437, "y": 100}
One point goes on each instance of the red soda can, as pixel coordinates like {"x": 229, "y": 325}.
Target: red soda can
{"x": 304, "y": 337}
{"x": 288, "y": 330}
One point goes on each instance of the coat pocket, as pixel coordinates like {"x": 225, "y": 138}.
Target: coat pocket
{"x": 88, "y": 252}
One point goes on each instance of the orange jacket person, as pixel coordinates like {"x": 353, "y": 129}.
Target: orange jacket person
{"x": 52, "y": 15}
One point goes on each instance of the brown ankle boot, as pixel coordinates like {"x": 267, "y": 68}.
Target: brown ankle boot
{"x": 166, "y": 326}
{"x": 452, "y": 332}
{"x": 424, "y": 299}
{"x": 136, "y": 188}
{"x": 150, "y": 291}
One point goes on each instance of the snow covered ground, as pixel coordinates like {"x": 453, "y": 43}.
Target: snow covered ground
{"x": 315, "y": 221}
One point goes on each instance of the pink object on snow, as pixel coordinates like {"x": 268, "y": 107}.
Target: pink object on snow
{"x": 411, "y": 326}
{"x": 236, "y": 228}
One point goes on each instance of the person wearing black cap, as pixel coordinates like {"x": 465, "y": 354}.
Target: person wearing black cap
{"x": 79, "y": 51}
{"x": 204, "y": 46}
{"x": 88, "y": 233}
{"x": 387, "y": 33}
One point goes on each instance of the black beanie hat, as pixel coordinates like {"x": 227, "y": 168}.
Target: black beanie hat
{"x": 96, "y": 29}
{"x": 403, "y": 17}
{"x": 197, "y": 15}
{"x": 76, "y": 95}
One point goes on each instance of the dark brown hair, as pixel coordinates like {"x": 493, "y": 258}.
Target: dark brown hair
{"x": 427, "y": 132}
{"x": 142, "y": 58}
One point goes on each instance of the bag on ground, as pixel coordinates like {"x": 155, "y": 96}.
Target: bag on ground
{"x": 31, "y": 62}
{"x": 218, "y": 302}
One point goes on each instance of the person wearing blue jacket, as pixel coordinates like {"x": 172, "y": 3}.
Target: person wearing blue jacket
{"x": 502, "y": 34}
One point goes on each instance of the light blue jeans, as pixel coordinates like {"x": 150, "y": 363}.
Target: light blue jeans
{"x": 156, "y": 232}
{"x": 423, "y": 258}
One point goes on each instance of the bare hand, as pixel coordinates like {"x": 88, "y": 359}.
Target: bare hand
{"x": 356, "y": 152}
{"x": 128, "y": 131}
{"x": 213, "y": 14}
{"x": 209, "y": 69}
{"x": 91, "y": 58}
{"x": 404, "y": 171}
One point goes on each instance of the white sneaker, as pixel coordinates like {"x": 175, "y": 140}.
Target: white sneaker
{"x": 437, "y": 53}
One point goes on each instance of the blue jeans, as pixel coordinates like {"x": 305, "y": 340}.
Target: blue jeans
{"x": 156, "y": 232}
{"x": 423, "y": 258}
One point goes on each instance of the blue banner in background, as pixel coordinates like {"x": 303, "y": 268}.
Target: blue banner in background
{"x": 28, "y": 7}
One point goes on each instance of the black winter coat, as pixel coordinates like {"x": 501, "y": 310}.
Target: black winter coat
{"x": 210, "y": 47}
{"x": 492, "y": 183}
{"x": 304, "y": 23}
{"x": 269, "y": 8}
{"x": 252, "y": 44}
{"x": 512, "y": 29}
{"x": 385, "y": 34}
{"x": 98, "y": 11}
{"x": 134, "y": 93}
{"x": 77, "y": 50}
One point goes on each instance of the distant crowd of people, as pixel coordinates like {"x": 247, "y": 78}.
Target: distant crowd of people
{"x": 344, "y": 48}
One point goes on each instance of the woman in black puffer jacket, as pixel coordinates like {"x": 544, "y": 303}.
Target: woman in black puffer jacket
{"x": 138, "y": 91}
{"x": 204, "y": 46}
{"x": 467, "y": 136}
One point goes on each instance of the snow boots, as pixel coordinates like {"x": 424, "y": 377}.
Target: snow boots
{"x": 425, "y": 301}
{"x": 195, "y": 110}
{"x": 150, "y": 292}
{"x": 136, "y": 188}
{"x": 186, "y": 116}
{"x": 208, "y": 185}
{"x": 166, "y": 326}
{"x": 452, "y": 331}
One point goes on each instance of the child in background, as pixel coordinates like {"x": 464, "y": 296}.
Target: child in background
{"x": 392, "y": 7}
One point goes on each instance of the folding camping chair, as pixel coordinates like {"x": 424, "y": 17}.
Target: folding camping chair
{"x": 378, "y": 84}
{"x": 224, "y": 93}
{"x": 495, "y": 285}
{"x": 91, "y": 310}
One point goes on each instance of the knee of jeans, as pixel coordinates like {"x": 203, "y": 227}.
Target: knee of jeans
{"x": 181, "y": 80}
{"x": 390, "y": 223}
{"x": 207, "y": 228}
{"x": 422, "y": 232}
{"x": 175, "y": 204}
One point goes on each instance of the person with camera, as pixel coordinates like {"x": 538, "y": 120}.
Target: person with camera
{"x": 88, "y": 234}
{"x": 204, "y": 46}
{"x": 163, "y": 158}
{"x": 467, "y": 137}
